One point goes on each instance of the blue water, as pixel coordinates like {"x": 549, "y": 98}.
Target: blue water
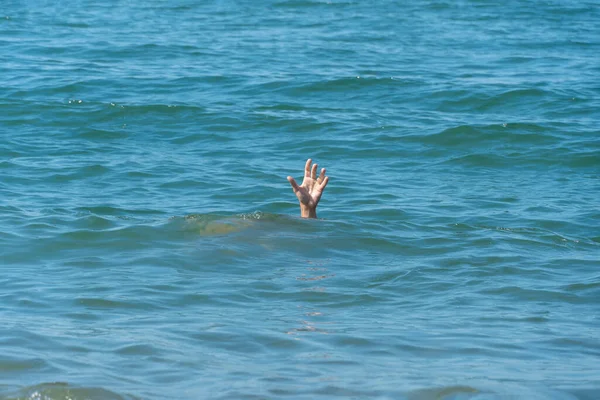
{"x": 151, "y": 247}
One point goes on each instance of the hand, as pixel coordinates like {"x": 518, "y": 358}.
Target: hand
{"x": 309, "y": 193}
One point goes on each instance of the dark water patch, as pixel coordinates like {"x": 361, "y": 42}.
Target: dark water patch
{"x": 136, "y": 350}
{"x": 116, "y": 211}
{"x": 118, "y": 239}
{"x": 590, "y": 288}
{"x": 587, "y": 346}
{"x": 173, "y": 110}
{"x": 480, "y": 161}
{"x": 95, "y": 134}
{"x": 92, "y": 303}
{"x": 209, "y": 138}
{"x": 179, "y": 183}
{"x": 299, "y": 4}
{"x": 453, "y": 100}
{"x": 11, "y": 365}
{"x": 473, "y": 137}
{"x": 94, "y": 222}
{"x": 513, "y": 98}
{"x": 73, "y": 24}
{"x": 535, "y": 295}
{"x": 342, "y": 85}
{"x": 294, "y": 108}
{"x": 449, "y": 392}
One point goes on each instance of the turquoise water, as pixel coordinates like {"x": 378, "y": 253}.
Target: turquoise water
{"x": 151, "y": 247}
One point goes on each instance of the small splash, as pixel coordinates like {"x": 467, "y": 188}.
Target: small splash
{"x": 41, "y": 396}
{"x": 254, "y": 215}
{"x": 64, "y": 391}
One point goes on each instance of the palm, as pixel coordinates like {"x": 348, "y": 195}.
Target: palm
{"x": 309, "y": 193}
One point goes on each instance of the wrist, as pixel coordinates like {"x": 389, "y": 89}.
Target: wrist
{"x": 308, "y": 212}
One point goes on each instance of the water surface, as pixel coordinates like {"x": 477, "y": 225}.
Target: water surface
{"x": 151, "y": 246}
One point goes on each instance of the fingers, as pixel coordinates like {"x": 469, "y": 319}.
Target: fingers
{"x": 293, "y": 183}
{"x": 325, "y": 181}
{"x": 311, "y": 172}
{"x": 321, "y": 176}
{"x": 307, "y": 168}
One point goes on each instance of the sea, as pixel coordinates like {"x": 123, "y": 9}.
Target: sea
{"x": 152, "y": 248}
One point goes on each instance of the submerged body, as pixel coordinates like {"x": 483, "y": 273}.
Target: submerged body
{"x": 308, "y": 194}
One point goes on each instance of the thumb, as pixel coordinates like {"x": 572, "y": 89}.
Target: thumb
{"x": 293, "y": 183}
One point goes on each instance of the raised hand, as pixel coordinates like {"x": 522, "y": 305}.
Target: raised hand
{"x": 309, "y": 193}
